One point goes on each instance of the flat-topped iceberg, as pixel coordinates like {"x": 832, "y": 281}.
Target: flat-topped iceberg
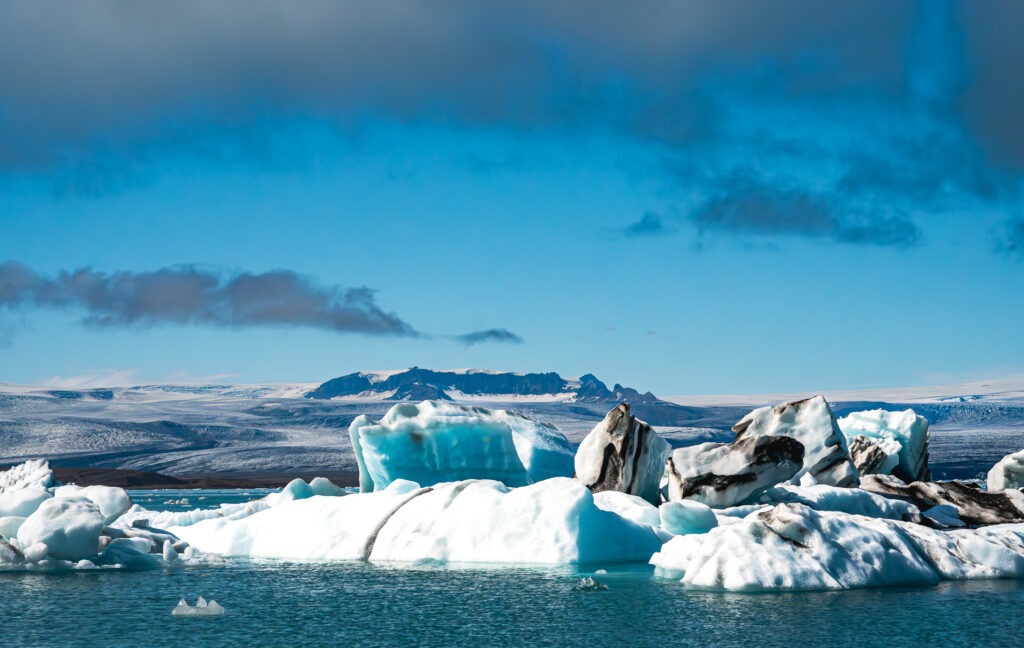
{"x": 555, "y": 521}
{"x": 435, "y": 441}
{"x": 906, "y": 428}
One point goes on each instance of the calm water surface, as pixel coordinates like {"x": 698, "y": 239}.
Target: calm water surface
{"x": 354, "y": 604}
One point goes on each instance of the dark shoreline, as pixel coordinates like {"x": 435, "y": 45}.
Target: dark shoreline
{"x": 140, "y": 479}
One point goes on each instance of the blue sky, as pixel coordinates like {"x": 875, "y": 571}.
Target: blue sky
{"x": 676, "y": 197}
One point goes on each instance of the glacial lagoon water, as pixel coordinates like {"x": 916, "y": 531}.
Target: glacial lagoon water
{"x": 356, "y": 604}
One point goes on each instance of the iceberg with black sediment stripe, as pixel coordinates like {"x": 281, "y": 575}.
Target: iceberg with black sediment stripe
{"x": 809, "y": 421}
{"x": 793, "y": 547}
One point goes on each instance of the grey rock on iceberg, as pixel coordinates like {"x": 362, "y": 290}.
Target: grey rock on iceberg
{"x": 726, "y": 474}
{"x": 975, "y": 506}
{"x": 622, "y": 453}
{"x": 809, "y": 421}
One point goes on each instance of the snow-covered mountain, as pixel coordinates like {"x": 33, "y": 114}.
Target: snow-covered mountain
{"x": 200, "y": 429}
{"x": 477, "y": 384}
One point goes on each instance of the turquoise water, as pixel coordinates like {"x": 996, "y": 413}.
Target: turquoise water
{"x": 362, "y": 605}
{"x": 356, "y": 604}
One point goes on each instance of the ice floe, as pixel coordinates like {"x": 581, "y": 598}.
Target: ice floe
{"x": 434, "y": 441}
{"x": 200, "y": 609}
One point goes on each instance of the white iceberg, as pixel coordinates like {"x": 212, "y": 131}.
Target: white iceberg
{"x": 793, "y": 547}
{"x": 434, "y": 441}
{"x": 906, "y": 428}
{"x": 555, "y": 521}
{"x": 22, "y": 502}
{"x": 1008, "y": 473}
{"x": 69, "y": 527}
{"x": 111, "y": 501}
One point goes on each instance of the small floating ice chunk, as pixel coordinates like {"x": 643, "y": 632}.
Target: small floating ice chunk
{"x": 588, "y": 584}
{"x": 201, "y": 608}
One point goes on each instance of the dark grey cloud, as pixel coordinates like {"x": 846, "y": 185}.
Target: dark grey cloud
{"x": 650, "y": 224}
{"x": 122, "y": 74}
{"x": 744, "y": 205}
{"x": 489, "y": 335}
{"x": 189, "y": 295}
{"x": 895, "y": 106}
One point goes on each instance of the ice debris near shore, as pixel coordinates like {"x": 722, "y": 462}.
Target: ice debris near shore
{"x": 809, "y": 421}
{"x": 200, "y": 609}
{"x": 435, "y": 441}
{"x": 877, "y": 432}
{"x": 52, "y": 527}
{"x": 1008, "y": 473}
{"x": 622, "y": 453}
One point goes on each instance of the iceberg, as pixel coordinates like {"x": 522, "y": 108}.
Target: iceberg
{"x": 725, "y": 474}
{"x": 685, "y": 516}
{"x": 906, "y": 428}
{"x": 433, "y": 442}
{"x": 874, "y": 456}
{"x": 622, "y": 453}
{"x": 974, "y": 506}
{"x": 1008, "y": 473}
{"x": 22, "y": 502}
{"x": 793, "y": 547}
{"x": 70, "y": 528}
{"x": 809, "y": 421}
{"x": 34, "y": 473}
{"x": 555, "y": 521}
{"x": 112, "y": 502}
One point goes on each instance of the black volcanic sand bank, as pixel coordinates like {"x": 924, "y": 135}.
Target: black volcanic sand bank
{"x": 140, "y": 479}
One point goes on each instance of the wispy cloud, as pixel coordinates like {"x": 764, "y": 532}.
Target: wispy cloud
{"x": 489, "y": 335}
{"x": 650, "y": 224}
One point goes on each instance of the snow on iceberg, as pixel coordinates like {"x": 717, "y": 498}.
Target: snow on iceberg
{"x": 1008, "y": 473}
{"x": 555, "y": 521}
{"x": 434, "y": 441}
{"x": 685, "y": 516}
{"x": 622, "y": 453}
{"x": 906, "y": 428}
{"x": 809, "y": 421}
{"x": 793, "y": 547}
